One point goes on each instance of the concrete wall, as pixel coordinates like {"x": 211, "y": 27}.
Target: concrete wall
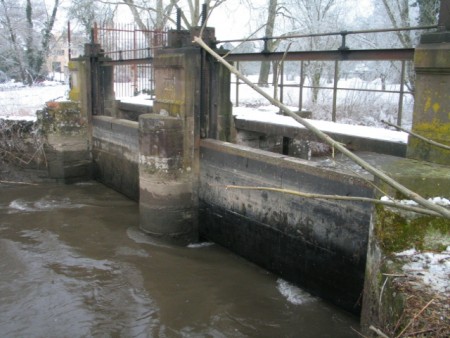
{"x": 115, "y": 154}
{"x": 318, "y": 244}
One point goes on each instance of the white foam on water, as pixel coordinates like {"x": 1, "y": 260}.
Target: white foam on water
{"x": 20, "y": 205}
{"x": 44, "y": 204}
{"x": 200, "y": 245}
{"x": 293, "y": 294}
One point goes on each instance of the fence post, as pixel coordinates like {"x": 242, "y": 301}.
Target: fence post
{"x": 281, "y": 81}
{"x": 335, "y": 84}
{"x": 401, "y": 92}
{"x": 300, "y": 94}
{"x": 237, "y": 86}
{"x": 94, "y": 92}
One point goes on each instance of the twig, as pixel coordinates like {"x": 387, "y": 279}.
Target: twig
{"x": 357, "y": 332}
{"x": 394, "y": 275}
{"x": 13, "y": 182}
{"x": 427, "y": 140}
{"x": 377, "y": 331}
{"x": 320, "y": 134}
{"x": 338, "y": 197}
{"x": 382, "y": 291}
{"x": 415, "y": 317}
{"x": 20, "y": 159}
{"x": 420, "y": 332}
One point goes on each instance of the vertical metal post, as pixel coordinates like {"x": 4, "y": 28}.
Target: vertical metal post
{"x": 204, "y": 13}
{"x": 335, "y": 84}
{"x": 275, "y": 79}
{"x": 178, "y": 19}
{"x": 400, "y": 98}
{"x": 95, "y": 33}
{"x": 134, "y": 67}
{"x": 237, "y": 86}
{"x": 281, "y": 82}
{"x": 300, "y": 94}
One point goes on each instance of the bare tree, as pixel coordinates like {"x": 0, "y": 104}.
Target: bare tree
{"x": 12, "y": 56}
{"x": 28, "y": 35}
{"x": 270, "y": 44}
{"x": 312, "y": 17}
{"x": 400, "y": 15}
{"x": 159, "y": 13}
{"x": 86, "y": 12}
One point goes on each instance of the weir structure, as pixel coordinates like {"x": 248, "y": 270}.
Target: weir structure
{"x": 180, "y": 158}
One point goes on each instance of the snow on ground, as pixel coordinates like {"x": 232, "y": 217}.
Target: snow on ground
{"x": 431, "y": 269}
{"x": 139, "y": 99}
{"x": 19, "y": 102}
{"x": 437, "y": 200}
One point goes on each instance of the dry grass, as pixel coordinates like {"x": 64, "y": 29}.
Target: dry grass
{"x": 425, "y": 314}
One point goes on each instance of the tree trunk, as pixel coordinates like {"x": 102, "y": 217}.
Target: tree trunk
{"x": 315, "y": 83}
{"x": 270, "y": 45}
{"x": 17, "y": 51}
{"x": 46, "y": 37}
{"x": 30, "y": 50}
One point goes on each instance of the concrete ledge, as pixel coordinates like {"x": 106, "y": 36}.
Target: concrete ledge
{"x": 353, "y": 142}
{"x": 132, "y": 111}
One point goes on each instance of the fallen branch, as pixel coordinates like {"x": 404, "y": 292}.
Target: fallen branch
{"x": 427, "y": 140}
{"x": 414, "y": 318}
{"x": 13, "y": 182}
{"x": 320, "y": 134}
{"x": 393, "y": 204}
{"x": 377, "y": 331}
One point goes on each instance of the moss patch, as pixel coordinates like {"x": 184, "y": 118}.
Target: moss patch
{"x": 396, "y": 232}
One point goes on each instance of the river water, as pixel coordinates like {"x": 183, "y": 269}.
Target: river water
{"x": 73, "y": 263}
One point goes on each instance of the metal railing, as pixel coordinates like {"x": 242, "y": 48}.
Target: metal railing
{"x": 402, "y": 58}
{"x": 130, "y": 51}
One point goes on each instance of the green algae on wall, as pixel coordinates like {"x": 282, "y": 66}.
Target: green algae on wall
{"x": 396, "y": 232}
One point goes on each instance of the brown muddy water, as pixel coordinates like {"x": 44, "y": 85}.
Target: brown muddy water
{"x": 73, "y": 263}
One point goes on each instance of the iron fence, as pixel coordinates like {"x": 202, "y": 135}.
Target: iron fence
{"x": 130, "y": 51}
{"x": 292, "y": 85}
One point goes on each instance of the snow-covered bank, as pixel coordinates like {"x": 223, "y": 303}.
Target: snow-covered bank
{"x": 18, "y": 102}
{"x": 429, "y": 269}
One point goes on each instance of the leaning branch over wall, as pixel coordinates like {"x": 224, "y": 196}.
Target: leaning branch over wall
{"x": 427, "y": 140}
{"x": 391, "y": 203}
{"x": 320, "y": 134}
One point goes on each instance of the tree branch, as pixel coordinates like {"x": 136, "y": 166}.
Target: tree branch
{"x": 427, "y": 140}
{"x": 392, "y": 203}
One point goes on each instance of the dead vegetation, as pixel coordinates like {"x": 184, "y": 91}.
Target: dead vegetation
{"x": 21, "y": 150}
{"x": 425, "y": 314}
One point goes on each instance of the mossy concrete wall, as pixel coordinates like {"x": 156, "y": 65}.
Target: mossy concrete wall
{"x": 392, "y": 231}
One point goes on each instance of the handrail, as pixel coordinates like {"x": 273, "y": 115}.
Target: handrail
{"x": 345, "y": 32}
